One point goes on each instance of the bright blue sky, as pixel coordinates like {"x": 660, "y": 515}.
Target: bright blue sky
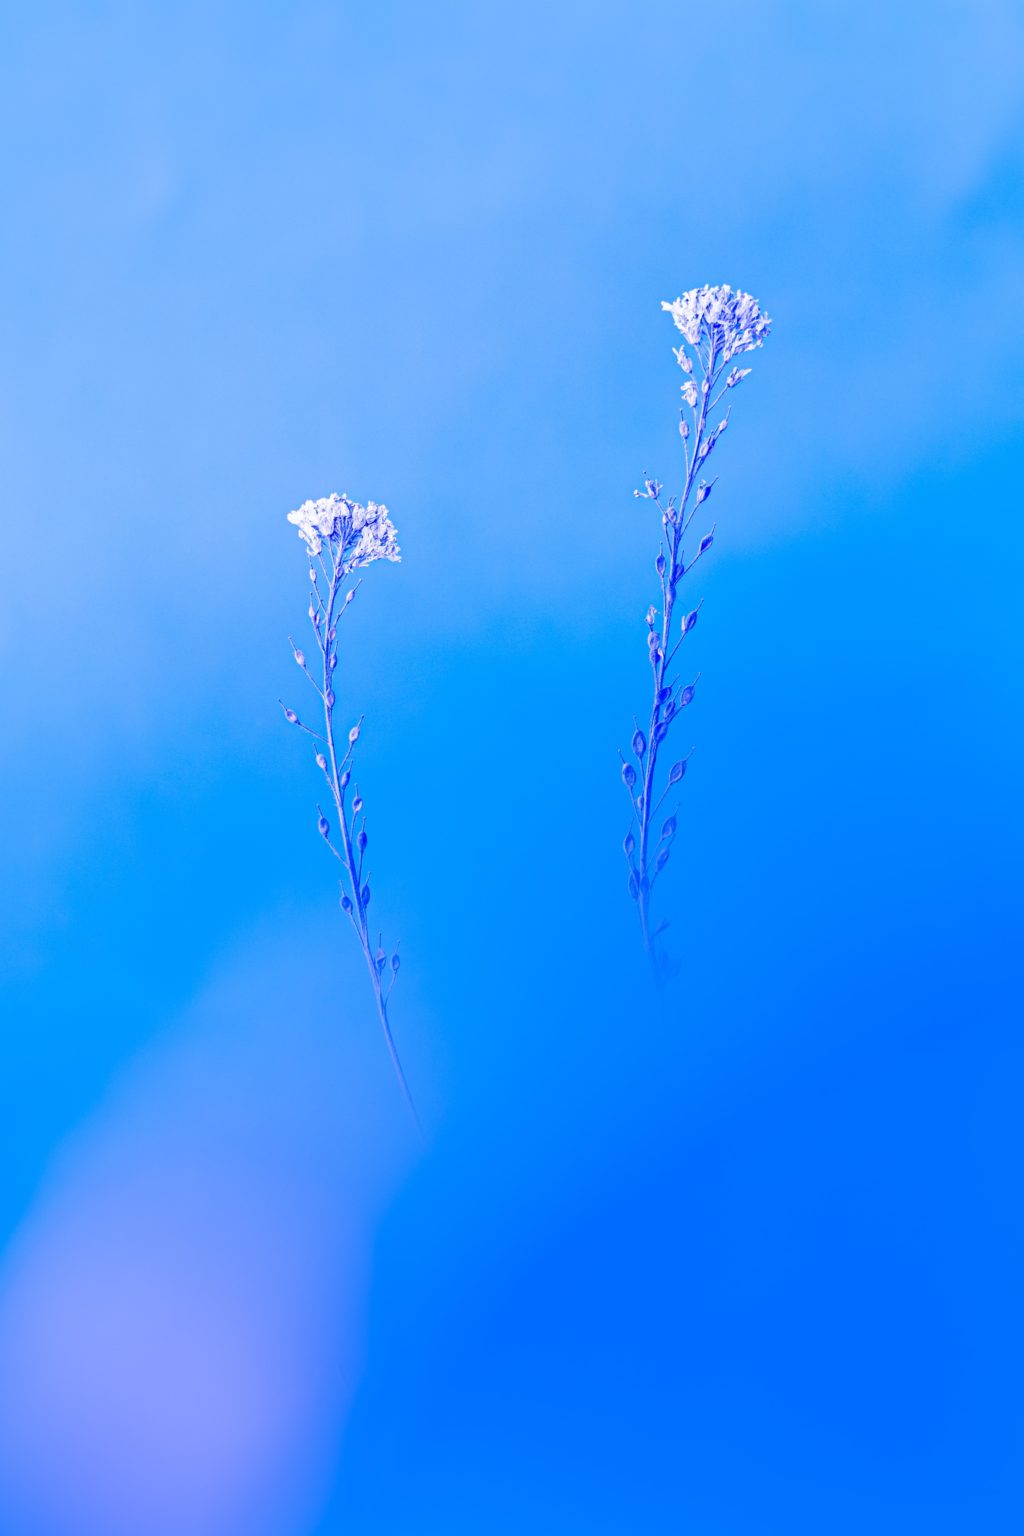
{"x": 750, "y": 1267}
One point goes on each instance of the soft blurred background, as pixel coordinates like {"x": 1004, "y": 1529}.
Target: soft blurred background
{"x": 749, "y": 1264}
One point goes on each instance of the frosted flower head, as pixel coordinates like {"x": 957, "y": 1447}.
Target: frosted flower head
{"x": 733, "y": 319}
{"x": 357, "y": 535}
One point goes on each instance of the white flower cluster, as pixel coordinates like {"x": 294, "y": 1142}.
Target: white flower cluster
{"x": 734, "y": 319}
{"x": 360, "y": 534}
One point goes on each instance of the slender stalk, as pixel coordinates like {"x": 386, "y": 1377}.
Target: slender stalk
{"x": 717, "y": 324}
{"x": 342, "y": 536}
{"x": 360, "y": 921}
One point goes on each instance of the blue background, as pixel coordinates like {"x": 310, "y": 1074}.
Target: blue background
{"x": 751, "y": 1263}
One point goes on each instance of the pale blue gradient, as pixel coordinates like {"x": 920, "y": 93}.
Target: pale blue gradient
{"x": 752, "y": 1267}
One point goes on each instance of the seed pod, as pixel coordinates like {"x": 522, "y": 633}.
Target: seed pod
{"x": 290, "y": 715}
{"x": 628, "y": 844}
{"x": 706, "y": 543}
{"x": 686, "y": 697}
{"x": 659, "y": 564}
{"x": 330, "y": 698}
{"x": 345, "y": 904}
{"x": 333, "y": 661}
{"x": 704, "y": 490}
{"x": 357, "y": 805}
{"x": 353, "y": 734}
{"x": 678, "y": 769}
{"x": 312, "y": 575}
{"x": 300, "y": 658}
{"x": 660, "y": 732}
{"x": 689, "y": 621}
{"x": 639, "y": 744}
{"x": 321, "y": 762}
{"x": 332, "y": 632}
{"x": 663, "y": 694}
{"x": 395, "y": 963}
{"x": 628, "y": 775}
{"x": 349, "y": 595}
{"x": 381, "y": 959}
{"x": 669, "y": 827}
{"x": 684, "y": 429}
{"x": 345, "y": 778}
{"x": 662, "y": 859}
{"x": 365, "y": 896}
{"x": 324, "y": 826}
{"x": 362, "y": 841}
{"x": 634, "y": 889}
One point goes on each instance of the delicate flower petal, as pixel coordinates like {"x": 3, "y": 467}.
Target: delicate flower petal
{"x": 733, "y": 320}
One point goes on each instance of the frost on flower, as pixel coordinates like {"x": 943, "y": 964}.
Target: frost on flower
{"x": 358, "y": 535}
{"x": 733, "y": 320}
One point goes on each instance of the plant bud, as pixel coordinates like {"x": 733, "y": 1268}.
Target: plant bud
{"x": 300, "y": 658}
{"x": 706, "y": 543}
{"x": 678, "y": 769}
{"x": 639, "y": 743}
{"x": 395, "y": 963}
{"x": 321, "y": 762}
{"x": 659, "y": 564}
{"x": 330, "y": 698}
{"x": 357, "y": 805}
{"x": 362, "y": 841}
{"x": 289, "y": 714}
{"x": 689, "y": 621}
{"x": 662, "y": 859}
{"x": 628, "y": 775}
{"x": 345, "y": 904}
{"x": 365, "y": 896}
{"x": 669, "y": 828}
{"x": 345, "y": 778}
{"x": 353, "y": 734}
{"x": 686, "y": 697}
{"x": 324, "y": 825}
{"x": 628, "y": 844}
